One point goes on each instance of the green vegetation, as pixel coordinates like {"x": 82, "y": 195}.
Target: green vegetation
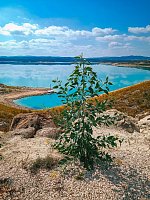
{"x": 76, "y": 140}
{"x": 43, "y": 163}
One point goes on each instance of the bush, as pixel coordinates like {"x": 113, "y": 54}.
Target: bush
{"x": 79, "y": 117}
{"x": 43, "y": 163}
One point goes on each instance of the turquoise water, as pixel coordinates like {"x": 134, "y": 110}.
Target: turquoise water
{"x": 42, "y": 76}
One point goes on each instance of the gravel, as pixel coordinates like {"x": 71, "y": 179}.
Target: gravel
{"x": 127, "y": 178}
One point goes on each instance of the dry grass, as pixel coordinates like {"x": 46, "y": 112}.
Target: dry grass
{"x": 132, "y": 100}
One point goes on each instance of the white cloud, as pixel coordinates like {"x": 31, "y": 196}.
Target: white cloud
{"x": 51, "y": 30}
{"x": 55, "y": 31}
{"x": 102, "y": 31}
{"x": 108, "y": 38}
{"x": 121, "y": 38}
{"x": 8, "y": 44}
{"x": 14, "y": 29}
{"x": 65, "y": 31}
{"x": 35, "y": 44}
{"x": 43, "y": 47}
{"x": 138, "y": 30}
{"x": 115, "y": 44}
{"x": 45, "y": 43}
{"x": 3, "y": 32}
{"x": 137, "y": 38}
{"x": 64, "y": 41}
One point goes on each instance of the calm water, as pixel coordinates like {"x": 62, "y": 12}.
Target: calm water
{"x": 42, "y": 76}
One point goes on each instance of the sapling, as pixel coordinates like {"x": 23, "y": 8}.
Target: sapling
{"x": 81, "y": 114}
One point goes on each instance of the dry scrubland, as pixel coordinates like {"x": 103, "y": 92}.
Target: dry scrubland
{"x": 29, "y": 166}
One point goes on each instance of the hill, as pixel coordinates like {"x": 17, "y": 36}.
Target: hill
{"x": 47, "y": 60}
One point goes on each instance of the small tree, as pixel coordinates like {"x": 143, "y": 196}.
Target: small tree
{"x": 81, "y": 114}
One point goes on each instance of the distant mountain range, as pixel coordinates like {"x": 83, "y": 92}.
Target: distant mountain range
{"x": 47, "y": 60}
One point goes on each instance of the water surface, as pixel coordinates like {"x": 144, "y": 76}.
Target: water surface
{"x": 42, "y": 76}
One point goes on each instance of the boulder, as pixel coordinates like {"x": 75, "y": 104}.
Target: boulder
{"x": 24, "y": 132}
{"x": 129, "y": 126}
{"x": 124, "y": 121}
{"x": 48, "y": 132}
{"x": 36, "y": 120}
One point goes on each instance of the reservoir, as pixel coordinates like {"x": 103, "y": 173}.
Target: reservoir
{"x": 42, "y": 76}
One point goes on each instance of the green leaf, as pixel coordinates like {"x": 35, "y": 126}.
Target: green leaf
{"x": 76, "y": 141}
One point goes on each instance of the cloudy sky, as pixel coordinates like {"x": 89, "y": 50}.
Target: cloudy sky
{"x": 69, "y": 27}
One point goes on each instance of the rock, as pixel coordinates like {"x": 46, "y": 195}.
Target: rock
{"x": 144, "y": 125}
{"x": 2, "y": 124}
{"x": 130, "y": 126}
{"x": 48, "y": 132}
{"x": 128, "y": 123}
{"x": 24, "y": 132}
{"x": 142, "y": 115}
{"x": 28, "y": 124}
{"x": 36, "y": 120}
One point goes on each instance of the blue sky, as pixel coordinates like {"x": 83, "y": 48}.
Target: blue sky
{"x": 67, "y": 27}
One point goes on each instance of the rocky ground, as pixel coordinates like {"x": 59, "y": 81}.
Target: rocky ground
{"x": 31, "y": 137}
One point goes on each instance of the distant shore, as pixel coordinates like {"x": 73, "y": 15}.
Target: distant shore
{"x": 129, "y": 61}
{"x": 129, "y": 64}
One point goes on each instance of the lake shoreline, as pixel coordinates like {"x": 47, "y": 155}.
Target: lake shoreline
{"x": 137, "y": 65}
{"x": 20, "y": 92}
{"x": 132, "y": 100}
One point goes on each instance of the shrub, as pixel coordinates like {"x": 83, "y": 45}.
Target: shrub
{"x": 43, "y": 163}
{"x": 79, "y": 117}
